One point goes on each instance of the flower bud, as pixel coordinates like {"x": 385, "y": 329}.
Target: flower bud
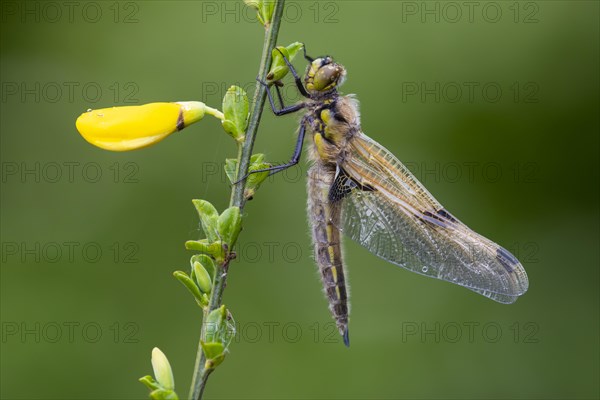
{"x": 134, "y": 127}
{"x": 162, "y": 369}
{"x": 202, "y": 277}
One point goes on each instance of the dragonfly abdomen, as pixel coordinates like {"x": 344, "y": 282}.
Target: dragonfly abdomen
{"x": 327, "y": 245}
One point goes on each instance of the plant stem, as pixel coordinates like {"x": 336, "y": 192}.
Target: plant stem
{"x": 260, "y": 95}
{"x": 201, "y": 373}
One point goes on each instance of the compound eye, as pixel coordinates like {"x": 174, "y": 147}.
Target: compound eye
{"x": 326, "y": 77}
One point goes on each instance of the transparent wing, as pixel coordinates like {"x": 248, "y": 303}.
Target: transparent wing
{"x": 388, "y": 211}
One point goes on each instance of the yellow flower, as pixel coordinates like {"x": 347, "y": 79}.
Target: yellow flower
{"x": 135, "y": 127}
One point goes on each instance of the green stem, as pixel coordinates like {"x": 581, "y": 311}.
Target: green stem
{"x": 201, "y": 373}
{"x": 199, "y": 379}
{"x": 260, "y": 95}
{"x": 214, "y": 112}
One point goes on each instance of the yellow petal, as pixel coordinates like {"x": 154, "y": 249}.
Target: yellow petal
{"x": 134, "y": 127}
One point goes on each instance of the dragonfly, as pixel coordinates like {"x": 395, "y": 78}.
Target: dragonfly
{"x": 358, "y": 188}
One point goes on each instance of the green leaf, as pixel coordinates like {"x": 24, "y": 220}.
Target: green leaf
{"x": 235, "y": 108}
{"x": 228, "y": 331}
{"x": 256, "y": 162}
{"x": 254, "y": 180}
{"x": 214, "y": 353}
{"x": 230, "y": 127}
{"x": 215, "y": 249}
{"x": 208, "y": 218}
{"x": 229, "y": 225}
{"x": 158, "y": 392}
{"x": 200, "y": 245}
{"x": 264, "y": 10}
{"x": 212, "y": 349}
{"x": 191, "y": 286}
{"x": 279, "y": 68}
{"x": 202, "y": 278}
{"x": 163, "y": 394}
{"x": 149, "y": 382}
{"x": 257, "y": 158}
{"x": 268, "y": 6}
{"x": 214, "y": 324}
{"x": 231, "y": 169}
{"x": 218, "y": 334}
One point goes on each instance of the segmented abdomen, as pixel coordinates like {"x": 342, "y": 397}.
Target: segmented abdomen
{"x": 327, "y": 245}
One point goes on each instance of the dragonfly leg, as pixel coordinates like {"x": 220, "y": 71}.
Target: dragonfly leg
{"x": 284, "y": 110}
{"x": 279, "y": 96}
{"x": 299, "y": 84}
{"x": 307, "y": 57}
{"x": 293, "y": 161}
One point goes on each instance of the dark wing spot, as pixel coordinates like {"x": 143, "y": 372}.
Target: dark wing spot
{"x": 505, "y": 258}
{"x": 445, "y": 214}
{"x": 343, "y": 185}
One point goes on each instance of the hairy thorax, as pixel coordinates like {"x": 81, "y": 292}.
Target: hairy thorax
{"x": 333, "y": 123}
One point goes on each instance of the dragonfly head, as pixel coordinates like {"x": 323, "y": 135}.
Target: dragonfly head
{"x": 323, "y": 75}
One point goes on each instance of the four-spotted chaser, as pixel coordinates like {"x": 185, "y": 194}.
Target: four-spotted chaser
{"x": 358, "y": 187}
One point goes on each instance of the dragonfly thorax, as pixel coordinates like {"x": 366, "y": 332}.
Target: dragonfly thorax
{"x": 333, "y": 122}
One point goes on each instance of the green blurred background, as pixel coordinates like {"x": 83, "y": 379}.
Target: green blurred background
{"x": 514, "y": 155}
